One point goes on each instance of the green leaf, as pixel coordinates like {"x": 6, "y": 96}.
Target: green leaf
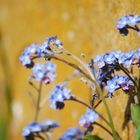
{"x": 92, "y": 137}
{"x": 137, "y": 135}
{"x": 135, "y": 114}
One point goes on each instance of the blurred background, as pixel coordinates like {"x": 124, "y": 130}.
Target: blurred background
{"x": 84, "y": 26}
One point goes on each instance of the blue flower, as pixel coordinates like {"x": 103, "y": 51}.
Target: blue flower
{"x": 111, "y": 85}
{"x": 106, "y": 59}
{"x": 133, "y": 19}
{"x": 44, "y": 72}
{"x": 48, "y": 125}
{"x": 109, "y": 58}
{"x": 72, "y": 134}
{"x": 58, "y": 43}
{"x": 59, "y": 94}
{"x": 136, "y": 57}
{"x": 36, "y": 127}
{"x": 122, "y": 22}
{"x": 39, "y": 50}
{"x": 123, "y": 81}
{"x": 25, "y": 57}
{"x": 128, "y": 22}
{"x": 99, "y": 60}
{"x": 31, "y": 128}
{"x": 116, "y": 53}
{"x": 117, "y": 82}
{"x": 87, "y": 119}
{"x": 125, "y": 20}
{"x": 126, "y": 59}
{"x": 50, "y": 39}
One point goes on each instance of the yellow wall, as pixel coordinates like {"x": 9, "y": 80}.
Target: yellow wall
{"x": 86, "y": 26}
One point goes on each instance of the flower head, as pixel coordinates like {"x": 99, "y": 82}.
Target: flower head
{"x": 36, "y": 50}
{"x": 59, "y": 94}
{"x": 44, "y": 72}
{"x": 122, "y": 22}
{"x": 112, "y": 85}
{"x": 36, "y": 127}
{"x": 133, "y": 19}
{"x": 72, "y": 134}
{"x": 48, "y": 125}
{"x": 117, "y": 82}
{"x": 99, "y": 60}
{"x": 109, "y": 58}
{"x": 58, "y": 43}
{"x": 25, "y": 57}
{"x": 126, "y": 58}
{"x": 87, "y": 119}
{"x": 126, "y": 22}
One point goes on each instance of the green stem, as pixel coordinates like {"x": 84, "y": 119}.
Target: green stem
{"x": 127, "y": 73}
{"x": 135, "y": 83}
{"x": 99, "y": 102}
{"x": 81, "y": 102}
{"x": 108, "y": 131}
{"x": 38, "y": 102}
{"x": 39, "y": 136}
{"x": 115, "y": 134}
{"x": 99, "y": 91}
{"x": 81, "y": 62}
{"x": 139, "y": 88}
{"x": 72, "y": 65}
{"x": 85, "y": 104}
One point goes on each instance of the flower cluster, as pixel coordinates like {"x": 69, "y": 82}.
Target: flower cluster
{"x": 113, "y": 61}
{"x": 126, "y": 22}
{"x": 117, "y": 82}
{"x": 109, "y": 63}
{"x": 39, "y": 50}
{"x": 87, "y": 119}
{"x": 72, "y": 134}
{"x": 59, "y": 94}
{"x": 117, "y": 57}
{"x": 35, "y": 128}
{"x": 44, "y": 72}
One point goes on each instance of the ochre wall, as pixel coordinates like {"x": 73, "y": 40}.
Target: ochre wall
{"x": 84, "y": 26}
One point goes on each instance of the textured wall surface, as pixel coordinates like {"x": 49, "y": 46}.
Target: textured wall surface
{"x": 84, "y": 26}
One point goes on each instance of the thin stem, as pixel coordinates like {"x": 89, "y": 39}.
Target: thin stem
{"x": 128, "y": 134}
{"x": 127, "y": 73}
{"x": 97, "y": 104}
{"x": 72, "y": 76}
{"x": 72, "y": 65}
{"x": 39, "y": 136}
{"x": 81, "y": 102}
{"x": 68, "y": 63}
{"x": 139, "y": 88}
{"x": 32, "y": 84}
{"x": 81, "y": 62}
{"x": 115, "y": 135}
{"x": 47, "y": 136}
{"x": 99, "y": 91}
{"x": 38, "y": 102}
{"x": 131, "y": 78}
{"x": 134, "y": 28}
{"x": 88, "y": 83}
{"x": 85, "y": 104}
{"x": 100, "y": 101}
{"x": 32, "y": 98}
{"x": 108, "y": 131}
